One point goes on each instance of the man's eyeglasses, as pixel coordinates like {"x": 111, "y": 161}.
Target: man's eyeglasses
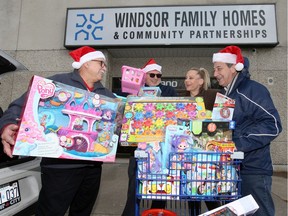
{"x": 103, "y": 64}
{"x": 152, "y": 75}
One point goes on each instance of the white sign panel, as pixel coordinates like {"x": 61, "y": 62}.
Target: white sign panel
{"x": 183, "y": 25}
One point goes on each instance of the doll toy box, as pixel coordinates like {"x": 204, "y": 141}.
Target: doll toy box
{"x": 61, "y": 121}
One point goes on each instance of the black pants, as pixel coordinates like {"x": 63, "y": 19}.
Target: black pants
{"x": 129, "y": 209}
{"x": 76, "y": 188}
{"x": 195, "y": 206}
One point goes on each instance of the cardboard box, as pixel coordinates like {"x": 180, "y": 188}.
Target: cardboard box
{"x": 61, "y": 121}
{"x": 149, "y": 92}
{"x": 243, "y": 206}
{"x": 145, "y": 118}
{"x": 223, "y": 108}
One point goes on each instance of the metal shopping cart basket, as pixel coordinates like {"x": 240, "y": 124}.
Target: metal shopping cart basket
{"x": 186, "y": 180}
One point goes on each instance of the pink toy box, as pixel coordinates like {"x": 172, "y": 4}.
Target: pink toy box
{"x": 132, "y": 79}
{"x": 61, "y": 121}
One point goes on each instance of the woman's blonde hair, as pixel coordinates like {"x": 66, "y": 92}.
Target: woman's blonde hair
{"x": 204, "y": 74}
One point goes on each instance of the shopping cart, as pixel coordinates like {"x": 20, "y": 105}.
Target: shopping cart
{"x": 188, "y": 178}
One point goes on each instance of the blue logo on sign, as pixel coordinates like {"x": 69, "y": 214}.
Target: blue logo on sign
{"x": 89, "y": 27}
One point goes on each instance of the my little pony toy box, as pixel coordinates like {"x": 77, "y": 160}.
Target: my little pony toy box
{"x": 61, "y": 121}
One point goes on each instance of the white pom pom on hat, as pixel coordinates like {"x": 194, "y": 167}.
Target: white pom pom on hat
{"x": 151, "y": 65}
{"x": 85, "y": 54}
{"x": 231, "y": 55}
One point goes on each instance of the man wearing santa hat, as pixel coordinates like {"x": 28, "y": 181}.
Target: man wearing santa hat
{"x": 152, "y": 79}
{"x": 257, "y": 124}
{"x": 72, "y": 184}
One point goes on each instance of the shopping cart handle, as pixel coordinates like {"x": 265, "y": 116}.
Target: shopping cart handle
{"x": 237, "y": 155}
{"x": 140, "y": 154}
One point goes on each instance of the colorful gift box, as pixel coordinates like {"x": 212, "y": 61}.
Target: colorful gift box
{"x": 145, "y": 118}
{"x": 61, "y": 121}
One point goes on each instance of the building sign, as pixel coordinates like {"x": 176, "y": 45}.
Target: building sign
{"x": 183, "y": 25}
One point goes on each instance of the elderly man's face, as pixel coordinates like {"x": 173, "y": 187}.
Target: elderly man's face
{"x": 223, "y": 73}
{"x": 92, "y": 71}
{"x": 97, "y": 69}
{"x": 153, "y": 78}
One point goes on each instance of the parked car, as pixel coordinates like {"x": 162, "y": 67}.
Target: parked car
{"x": 20, "y": 180}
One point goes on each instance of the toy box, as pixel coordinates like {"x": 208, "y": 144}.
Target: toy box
{"x": 200, "y": 177}
{"x": 153, "y": 153}
{"x": 223, "y": 108}
{"x": 166, "y": 187}
{"x": 243, "y": 206}
{"x": 145, "y": 119}
{"x": 61, "y": 121}
{"x": 210, "y": 135}
{"x": 226, "y": 175}
{"x": 132, "y": 79}
{"x": 149, "y": 92}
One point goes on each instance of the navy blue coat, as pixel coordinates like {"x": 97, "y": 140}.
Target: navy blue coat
{"x": 257, "y": 124}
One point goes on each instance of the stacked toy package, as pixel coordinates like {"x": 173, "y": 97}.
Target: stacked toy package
{"x": 145, "y": 118}
{"x": 61, "y": 121}
{"x": 181, "y": 152}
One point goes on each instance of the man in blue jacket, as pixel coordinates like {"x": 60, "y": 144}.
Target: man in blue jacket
{"x": 257, "y": 124}
{"x": 72, "y": 184}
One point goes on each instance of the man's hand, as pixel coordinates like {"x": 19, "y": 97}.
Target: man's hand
{"x": 8, "y": 138}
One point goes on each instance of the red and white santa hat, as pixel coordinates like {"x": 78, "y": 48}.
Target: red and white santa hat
{"x": 85, "y": 54}
{"x": 231, "y": 55}
{"x": 151, "y": 65}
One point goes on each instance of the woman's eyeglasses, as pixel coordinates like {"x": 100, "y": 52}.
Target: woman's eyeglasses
{"x": 152, "y": 75}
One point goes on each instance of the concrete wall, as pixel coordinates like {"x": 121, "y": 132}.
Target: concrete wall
{"x": 32, "y": 31}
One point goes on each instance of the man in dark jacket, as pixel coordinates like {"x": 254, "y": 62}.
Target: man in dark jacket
{"x": 72, "y": 184}
{"x": 152, "y": 79}
{"x": 257, "y": 124}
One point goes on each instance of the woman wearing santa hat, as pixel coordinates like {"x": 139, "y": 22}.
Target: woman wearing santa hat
{"x": 66, "y": 184}
{"x": 257, "y": 124}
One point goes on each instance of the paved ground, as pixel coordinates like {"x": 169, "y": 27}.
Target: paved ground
{"x": 112, "y": 197}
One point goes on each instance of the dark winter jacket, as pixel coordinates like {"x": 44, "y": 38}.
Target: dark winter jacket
{"x": 167, "y": 91}
{"x": 73, "y": 79}
{"x": 257, "y": 124}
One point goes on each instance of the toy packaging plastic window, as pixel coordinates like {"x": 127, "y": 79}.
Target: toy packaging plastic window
{"x": 61, "y": 121}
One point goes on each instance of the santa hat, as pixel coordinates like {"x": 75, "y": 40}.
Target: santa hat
{"x": 85, "y": 54}
{"x": 151, "y": 65}
{"x": 231, "y": 55}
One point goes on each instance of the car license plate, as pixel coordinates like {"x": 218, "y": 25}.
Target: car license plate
{"x": 9, "y": 194}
